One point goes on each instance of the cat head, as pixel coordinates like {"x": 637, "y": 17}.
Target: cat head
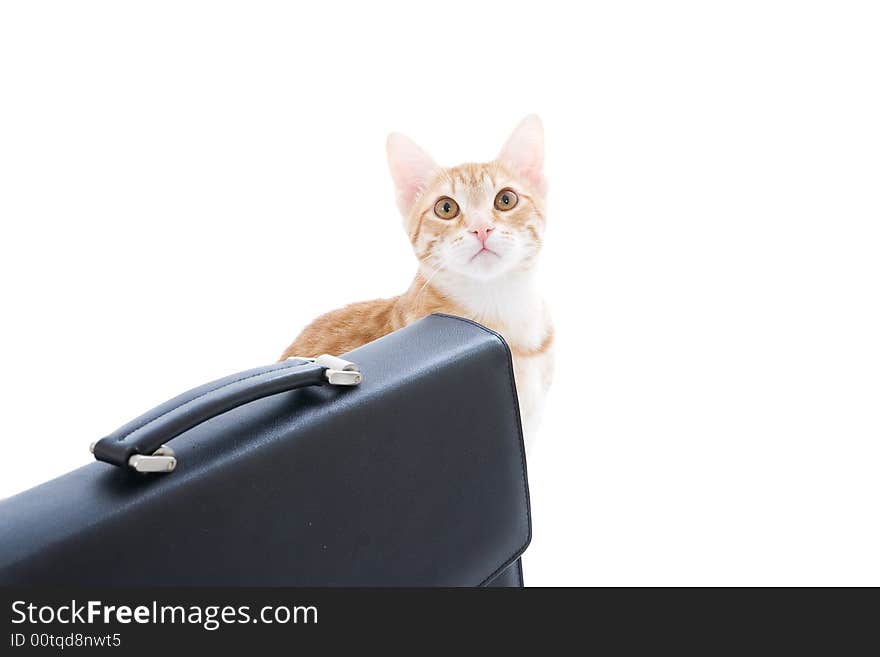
{"x": 476, "y": 220}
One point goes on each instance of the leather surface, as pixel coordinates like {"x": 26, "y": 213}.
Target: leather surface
{"x": 416, "y": 477}
{"x": 145, "y": 434}
{"x": 511, "y": 577}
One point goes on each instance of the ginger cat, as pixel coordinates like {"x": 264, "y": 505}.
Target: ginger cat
{"x": 476, "y": 230}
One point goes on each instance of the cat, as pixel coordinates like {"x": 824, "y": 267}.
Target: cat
{"x": 476, "y": 230}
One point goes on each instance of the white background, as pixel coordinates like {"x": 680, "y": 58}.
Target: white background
{"x": 174, "y": 178}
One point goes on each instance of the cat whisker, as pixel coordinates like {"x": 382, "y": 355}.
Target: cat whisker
{"x": 429, "y": 279}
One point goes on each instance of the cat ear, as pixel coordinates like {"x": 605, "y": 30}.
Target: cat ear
{"x": 524, "y": 151}
{"x": 411, "y": 169}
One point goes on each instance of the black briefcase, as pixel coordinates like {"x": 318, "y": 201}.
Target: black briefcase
{"x": 401, "y": 464}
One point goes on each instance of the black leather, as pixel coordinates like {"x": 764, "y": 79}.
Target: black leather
{"x": 416, "y": 477}
{"x": 511, "y": 577}
{"x": 145, "y": 434}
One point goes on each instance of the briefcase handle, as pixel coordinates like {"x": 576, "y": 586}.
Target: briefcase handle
{"x": 140, "y": 444}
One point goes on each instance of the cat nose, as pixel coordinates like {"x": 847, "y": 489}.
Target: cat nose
{"x": 482, "y": 232}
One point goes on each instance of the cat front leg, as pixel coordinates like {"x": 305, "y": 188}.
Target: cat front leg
{"x": 533, "y": 375}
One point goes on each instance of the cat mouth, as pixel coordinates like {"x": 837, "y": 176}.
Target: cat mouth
{"x": 483, "y": 251}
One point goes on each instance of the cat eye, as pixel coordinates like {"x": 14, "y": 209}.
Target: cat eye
{"x": 506, "y": 200}
{"x": 446, "y": 208}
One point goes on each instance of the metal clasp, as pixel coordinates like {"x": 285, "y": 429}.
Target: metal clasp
{"x": 338, "y": 371}
{"x": 162, "y": 460}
